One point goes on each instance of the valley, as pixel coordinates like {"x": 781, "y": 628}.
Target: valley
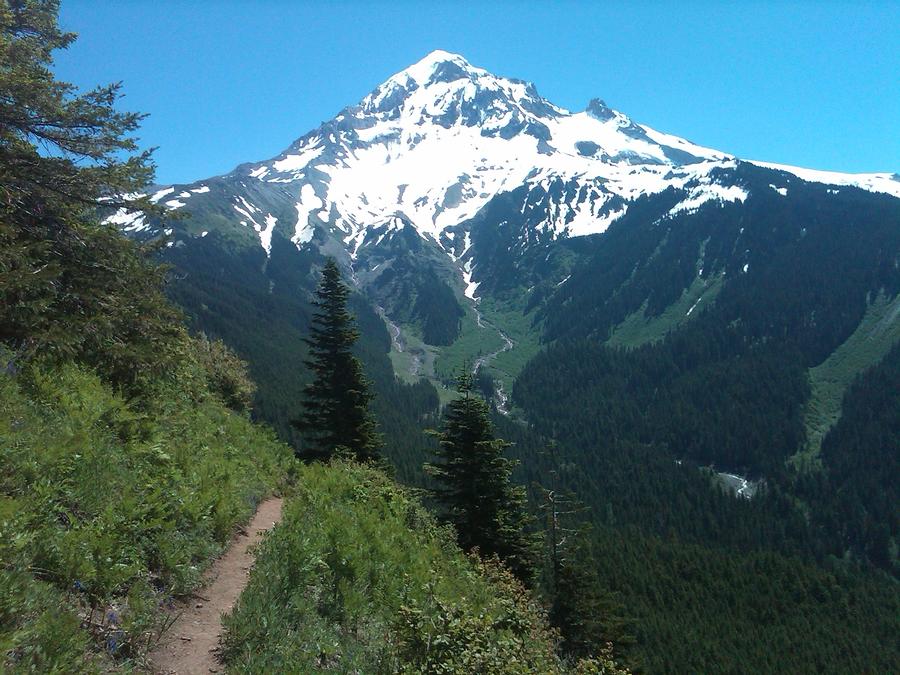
{"x": 636, "y": 314}
{"x": 413, "y": 359}
{"x": 502, "y": 398}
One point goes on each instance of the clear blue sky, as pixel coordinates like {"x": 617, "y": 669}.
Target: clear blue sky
{"x": 814, "y": 84}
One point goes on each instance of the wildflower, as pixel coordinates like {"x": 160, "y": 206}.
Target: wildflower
{"x": 113, "y": 641}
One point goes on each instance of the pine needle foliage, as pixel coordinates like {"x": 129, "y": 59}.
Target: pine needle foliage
{"x": 335, "y": 418}
{"x": 473, "y": 477}
{"x": 58, "y": 145}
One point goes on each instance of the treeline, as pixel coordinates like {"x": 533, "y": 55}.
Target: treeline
{"x": 620, "y": 459}
{"x": 812, "y": 257}
{"x": 728, "y": 383}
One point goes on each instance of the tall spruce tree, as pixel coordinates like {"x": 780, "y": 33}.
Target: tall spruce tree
{"x": 473, "y": 476}
{"x": 335, "y": 418}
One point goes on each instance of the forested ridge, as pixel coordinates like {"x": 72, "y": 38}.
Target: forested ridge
{"x": 729, "y": 387}
{"x": 636, "y": 424}
{"x": 855, "y": 498}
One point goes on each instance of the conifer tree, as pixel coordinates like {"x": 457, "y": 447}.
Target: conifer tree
{"x": 69, "y": 286}
{"x": 335, "y": 416}
{"x": 59, "y": 148}
{"x": 589, "y": 618}
{"x": 473, "y": 476}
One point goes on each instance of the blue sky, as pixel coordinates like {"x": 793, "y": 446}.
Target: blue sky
{"x": 814, "y": 84}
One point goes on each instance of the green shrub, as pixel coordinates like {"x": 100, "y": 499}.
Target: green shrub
{"x": 226, "y": 375}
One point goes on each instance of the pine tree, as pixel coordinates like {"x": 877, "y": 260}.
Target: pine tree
{"x": 70, "y": 287}
{"x": 473, "y": 475}
{"x": 59, "y": 147}
{"x": 335, "y": 416}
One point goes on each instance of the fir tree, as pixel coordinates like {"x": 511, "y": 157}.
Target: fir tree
{"x": 473, "y": 475}
{"x": 335, "y": 416}
{"x": 58, "y": 147}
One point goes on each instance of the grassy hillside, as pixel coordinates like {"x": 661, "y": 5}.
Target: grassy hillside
{"x": 126, "y": 458}
{"x": 108, "y": 508}
{"x": 359, "y": 578}
{"x": 638, "y": 328}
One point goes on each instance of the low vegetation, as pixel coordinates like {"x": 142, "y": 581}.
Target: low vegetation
{"x": 110, "y": 509}
{"x": 359, "y": 577}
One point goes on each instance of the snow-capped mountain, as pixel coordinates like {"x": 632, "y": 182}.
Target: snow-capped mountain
{"x": 490, "y": 230}
{"x": 436, "y": 141}
{"x": 432, "y": 146}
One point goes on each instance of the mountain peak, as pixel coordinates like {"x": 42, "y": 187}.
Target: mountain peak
{"x": 437, "y": 55}
{"x": 422, "y": 70}
{"x": 444, "y": 86}
{"x": 439, "y": 140}
{"x": 435, "y": 66}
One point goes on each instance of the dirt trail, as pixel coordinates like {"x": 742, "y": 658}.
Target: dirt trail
{"x": 191, "y": 644}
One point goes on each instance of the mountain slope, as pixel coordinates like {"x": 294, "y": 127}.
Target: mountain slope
{"x": 449, "y": 182}
{"x": 431, "y": 146}
{"x": 447, "y": 186}
{"x": 479, "y": 221}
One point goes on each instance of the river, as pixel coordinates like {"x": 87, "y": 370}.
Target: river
{"x": 742, "y": 487}
{"x": 508, "y": 343}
